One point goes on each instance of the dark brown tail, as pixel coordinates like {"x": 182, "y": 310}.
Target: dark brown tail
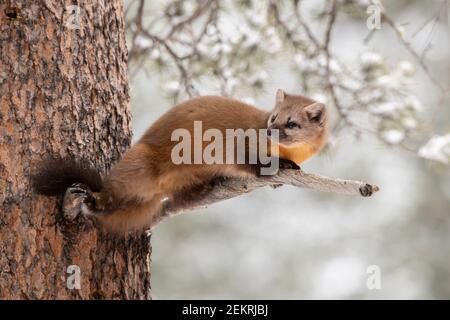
{"x": 55, "y": 175}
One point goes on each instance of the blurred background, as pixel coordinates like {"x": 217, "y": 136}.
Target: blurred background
{"x": 386, "y": 83}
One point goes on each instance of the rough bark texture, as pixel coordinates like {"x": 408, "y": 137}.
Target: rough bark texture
{"x": 63, "y": 91}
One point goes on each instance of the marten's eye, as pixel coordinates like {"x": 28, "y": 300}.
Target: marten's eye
{"x": 273, "y": 118}
{"x": 291, "y": 125}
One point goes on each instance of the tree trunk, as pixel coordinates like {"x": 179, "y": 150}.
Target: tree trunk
{"x": 63, "y": 91}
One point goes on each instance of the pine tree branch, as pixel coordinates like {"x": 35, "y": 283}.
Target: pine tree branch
{"x": 223, "y": 189}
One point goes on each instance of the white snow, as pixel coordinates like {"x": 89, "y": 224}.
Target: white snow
{"x": 437, "y": 148}
{"x": 393, "y": 136}
{"x": 409, "y": 123}
{"x": 143, "y": 42}
{"x": 386, "y": 108}
{"x": 371, "y": 59}
{"x": 406, "y": 68}
{"x": 172, "y": 86}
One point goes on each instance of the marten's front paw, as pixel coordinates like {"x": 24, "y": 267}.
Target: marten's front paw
{"x": 77, "y": 199}
{"x": 288, "y": 164}
{"x": 218, "y": 181}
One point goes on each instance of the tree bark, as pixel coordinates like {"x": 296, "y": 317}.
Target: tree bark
{"x": 63, "y": 91}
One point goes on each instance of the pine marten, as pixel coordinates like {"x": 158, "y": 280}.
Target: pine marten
{"x": 131, "y": 195}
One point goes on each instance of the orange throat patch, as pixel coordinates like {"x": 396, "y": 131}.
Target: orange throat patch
{"x": 297, "y": 153}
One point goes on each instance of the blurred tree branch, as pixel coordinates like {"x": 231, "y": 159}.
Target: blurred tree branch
{"x": 209, "y": 46}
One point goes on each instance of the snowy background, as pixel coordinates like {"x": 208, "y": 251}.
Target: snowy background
{"x": 300, "y": 244}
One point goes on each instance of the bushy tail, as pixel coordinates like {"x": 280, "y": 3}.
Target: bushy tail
{"x": 53, "y": 176}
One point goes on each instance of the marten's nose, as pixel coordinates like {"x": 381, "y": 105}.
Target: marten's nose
{"x": 275, "y": 132}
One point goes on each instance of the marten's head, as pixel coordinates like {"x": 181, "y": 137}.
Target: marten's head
{"x": 299, "y": 120}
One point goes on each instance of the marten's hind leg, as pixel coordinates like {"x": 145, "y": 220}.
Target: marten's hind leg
{"x": 134, "y": 216}
{"x": 79, "y": 199}
{"x": 130, "y": 216}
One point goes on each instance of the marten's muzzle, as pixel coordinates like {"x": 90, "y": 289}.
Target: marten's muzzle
{"x": 275, "y": 131}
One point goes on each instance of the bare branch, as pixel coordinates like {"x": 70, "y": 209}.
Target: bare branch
{"x": 331, "y": 21}
{"x": 411, "y": 50}
{"x": 305, "y": 26}
{"x": 223, "y": 189}
{"x": 196, "y": 47}
{"x": 202, "y": 7}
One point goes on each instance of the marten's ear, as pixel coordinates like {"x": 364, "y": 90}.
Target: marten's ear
{"x": 315, "y": 112}
{"x": 280, "y": 95}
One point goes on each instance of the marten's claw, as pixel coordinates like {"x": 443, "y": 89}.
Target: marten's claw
{"x": 288, "y": 164}
{"x": 78, "y": 188}
{"x": 75, "y": 197}
{"x": 277, "y": 185}
{"x": 218, "y": 181}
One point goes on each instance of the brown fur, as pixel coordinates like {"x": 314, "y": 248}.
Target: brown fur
{"x": 134, "y": 191}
